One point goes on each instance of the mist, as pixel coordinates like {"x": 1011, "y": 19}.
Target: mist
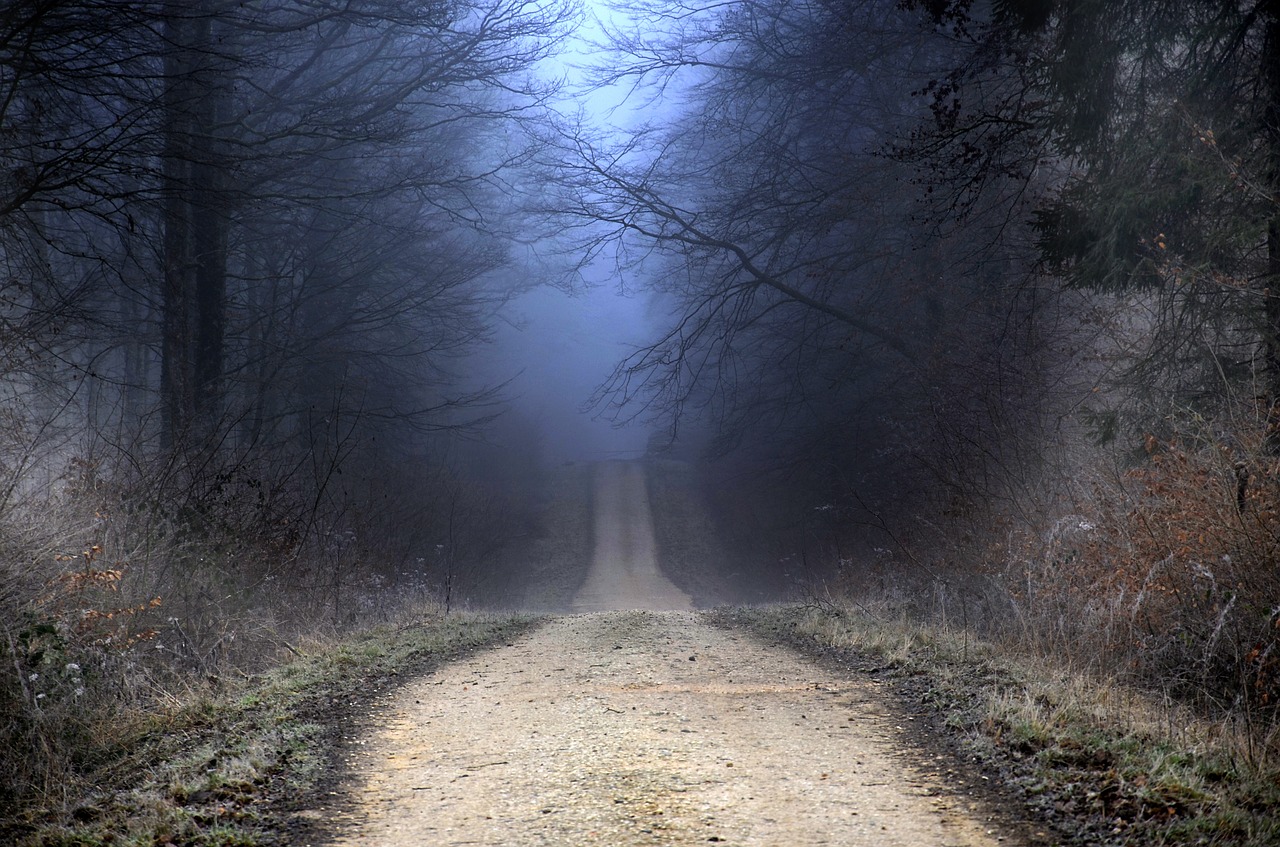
{"x": 312, "y": 312}
{"x": 551, "y": 350}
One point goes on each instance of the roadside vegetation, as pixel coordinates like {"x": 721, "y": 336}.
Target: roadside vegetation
{"x": 246, "y": 761}
{"x": 1094, "y": 757}
{"x": 974, "y": 308}
{"x": 550, "y": 566}
{"x": 246, "y": 253}
{"x": 696, "y": 554}
{"x": 967, "y": 314}
{"x": 1109, "y": 653}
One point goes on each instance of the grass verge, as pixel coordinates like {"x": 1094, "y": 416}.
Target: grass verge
{"x": 689, "y": 543}
{"x": 249, "y": 764}
{"x": 1096, "y": 762}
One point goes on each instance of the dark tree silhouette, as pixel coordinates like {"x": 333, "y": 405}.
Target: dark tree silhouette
{"x": 818, "y": 315}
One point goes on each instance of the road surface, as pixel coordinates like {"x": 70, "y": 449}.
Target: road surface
{"x": 624, "y": 570}
{"x": 637, "y": 723}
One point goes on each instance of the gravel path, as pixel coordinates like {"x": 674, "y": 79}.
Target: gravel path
{"x": 624, "y": 570}
{"x": 642, "y": 728}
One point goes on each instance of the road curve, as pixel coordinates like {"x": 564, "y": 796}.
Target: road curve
{"x": 632, "y": 729}
{"x": 640, "y": 727}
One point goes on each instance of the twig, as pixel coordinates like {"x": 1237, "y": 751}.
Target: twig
{"x": 485, "y": 765}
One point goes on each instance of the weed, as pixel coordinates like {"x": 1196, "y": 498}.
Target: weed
{"x": 222, "y": 766}
{"x": 1103, "y": 760}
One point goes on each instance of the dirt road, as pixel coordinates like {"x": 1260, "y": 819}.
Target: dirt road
{"x": 624, "y": 567}
{"x": 642, "y": 728}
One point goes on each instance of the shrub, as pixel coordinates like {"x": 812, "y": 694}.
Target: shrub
{"x": 1172, "y": 574}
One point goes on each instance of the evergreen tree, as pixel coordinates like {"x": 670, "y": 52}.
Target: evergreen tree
{"x": 1156, "y": 126}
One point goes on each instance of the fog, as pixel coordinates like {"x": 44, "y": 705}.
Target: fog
{"x": 331, "y": 242}
{"x": 553, "y": 349}
{"x": 286, "y": 259}
{"x": 555, "y": 346}
{"x": 320, "y": 313}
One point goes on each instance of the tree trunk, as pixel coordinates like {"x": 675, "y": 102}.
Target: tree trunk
{"x": 197, "y": 96}
{"x": 210, "y": 244}
{"x": 176, "y": 375}
{"x": 1271, "y": 279}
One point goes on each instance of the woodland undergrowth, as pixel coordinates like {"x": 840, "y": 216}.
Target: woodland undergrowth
{"x": 129, "y": 591}
{"x": 1156, "y": 571}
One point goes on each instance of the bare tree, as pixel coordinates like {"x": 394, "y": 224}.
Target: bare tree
{"x": 310, "y": 123}
{"x": 820, "y": 318}
{"x": 249, "y": 241}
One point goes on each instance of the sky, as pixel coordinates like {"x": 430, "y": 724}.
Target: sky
{"x": 558, "y": 347}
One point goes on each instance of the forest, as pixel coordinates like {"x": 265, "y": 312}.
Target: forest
{"x": 966, "y": 311}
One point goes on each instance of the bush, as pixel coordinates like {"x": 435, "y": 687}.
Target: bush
{"x": 1203, "y": 536}
{"x": 1170, "y": 575}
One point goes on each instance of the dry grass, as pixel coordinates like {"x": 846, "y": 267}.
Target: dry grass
{"x": 550, "y": 568}
{"x": 131, "y": 594}
{"x": 231, "y": 766}
{"x": 1102, "y": 760}
{"x": 1168, "y": 574}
